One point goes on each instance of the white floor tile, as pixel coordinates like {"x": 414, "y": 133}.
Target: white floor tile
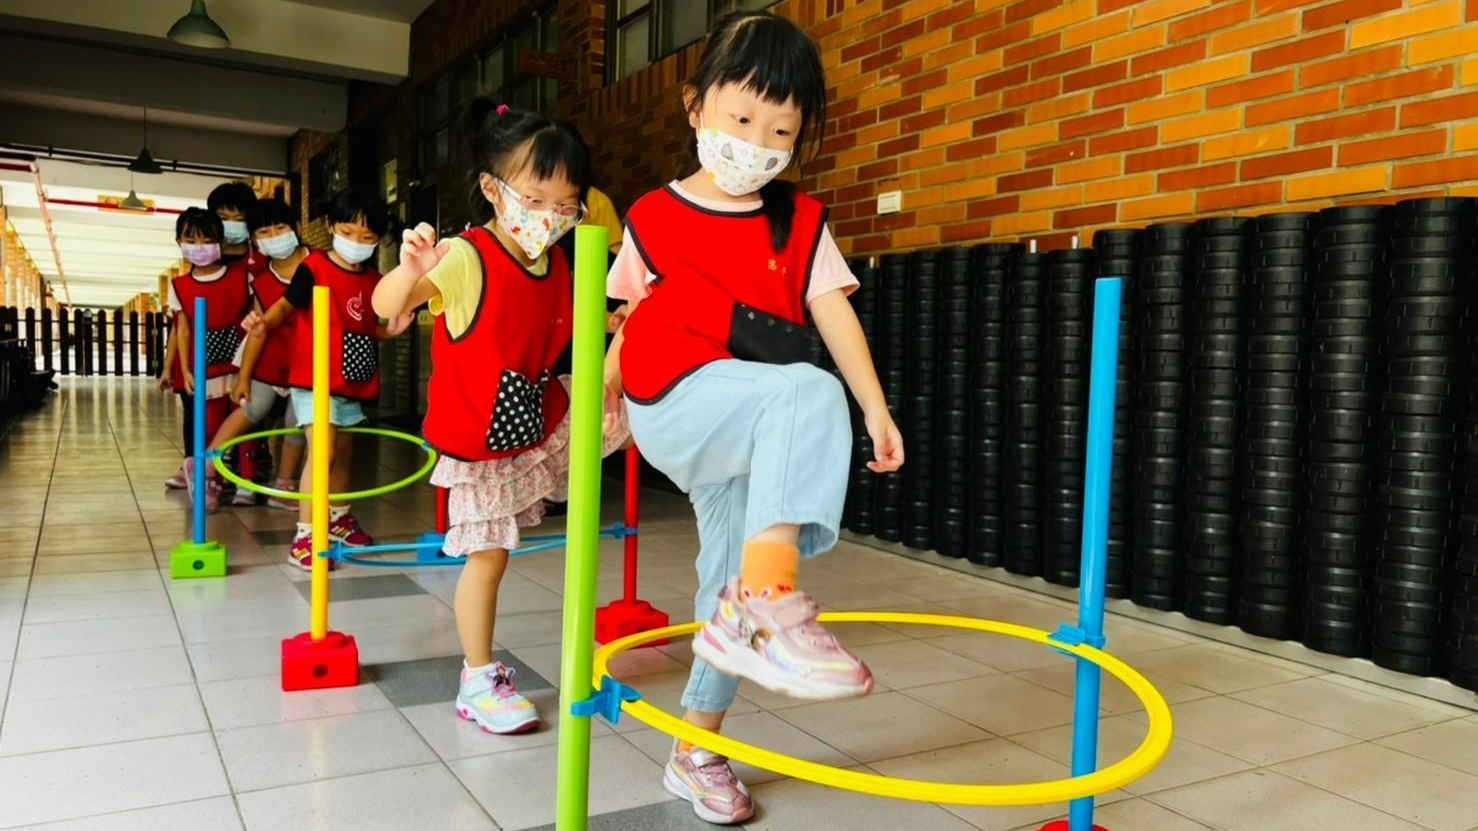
{"x": 274, "y": 755}
{"x": 426, "y": 796}
{"x": 1358, "y": 712}
{"x": 61, "y": 608}
{"x": 1218, "y": 668}
{"x": 220, "y": 660}
{"x": 1452, "y": 743}
{"x": 903, "y": 664}
{"x": 96, "y": 582}
{"x": 1119, "y": 736}
{"x": 49, "y": 640}
{"x": 1001, "y": 704}
{"x": 216, "y": 814}
{"x": 87, "y": 719}
{"x": 1262, "y": 800}
{"x": 881, "y": 726}
{"x": 1250, "y": 733}
{"x": 789, "y": 805}
{"x": 1423, "y": 792}
{"x": 248, "y": 702}
{"x": 1114, "y": 697}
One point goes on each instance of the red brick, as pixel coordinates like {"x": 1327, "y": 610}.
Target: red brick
{"x": 874, "y": 62}
{"x": 1029, "y": 8}
{"x": 1267, "y": 7}
{"x": 898, "y": 146}
{"x": 1096, "y": 77}
{"x": 896, "y": 37}
{"x": 1360, "y": 64}
{"x": 1054, "y": 242}
{"x": 1062, "y": 62}
{"x": 1439, "y": 110}
{"x": 1473, "y": 11}
{"x": 1057, "y": 153}
{"x": 962, "y": 232}
{"x": 1039, "y": 91}
{"x": 1124, "y": 140}
{"x": 867, "y": 46}
{"x": 1242, "y": 196}
{"x": 1339, "y": 14}
{"x": 1405, "y": 85}
{"x": 1284, "y": 164}
{"x": 1025, "y": 52}
{"x": 853, "y": 228}
{"x": 977, "y": 25}
{"x": 1441, "y": 172}
{"x": 972, "y": 149}
{"x": 1263, "y": 86}
{"x": 1181, "y": 156}
{"x": 878, "y": 24}
{"x": 1219, "y": 17}
{"x": 1094, "y": 123}
{"x": 870, "y": 244}
{"x": 856, "y": 121}
{"x": 922, "y": 83}
{"x": 854, "y": 193}
{"x": 1299, "y": 51}
{"x": 1086, "y": 217}
{"x": 1344, "y": 126}
{"x": 1405, "y": 146}
{"x": 1296, "y": 107}
{"x": 1132, "y": 91}
{"x": 923, "y": 121}
{"x": 878, "y": 170}
{"x": 999, "y": 122}
{"x": 1031, "y": 180}
{"x": 999, "y": 206}
{"x": 950, "y": 15}
{"x": 1107, "y": 6}
{"x": 1198, "y": 177}
{"x": 1166, "y": 58}
{"x": 1005, "y": 79}
{"x": 899, "y": 109}
{"x": 1002, "y": 36}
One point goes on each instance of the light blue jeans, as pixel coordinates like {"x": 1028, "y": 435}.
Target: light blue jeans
{"x": 753, "y": 445}
{"x": 342, "y": 412}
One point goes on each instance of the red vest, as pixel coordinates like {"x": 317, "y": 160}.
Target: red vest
{"x": 492, "y": 393}
{"x": 275, "y": 361}
{"x": 226, "y": 303}
{"x": 707, "y": 264}
{"x": 353, "y": 355}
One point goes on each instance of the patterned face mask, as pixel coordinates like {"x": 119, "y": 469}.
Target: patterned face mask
{"x": 534, "y": 230}
{"x": 736, "y": 166}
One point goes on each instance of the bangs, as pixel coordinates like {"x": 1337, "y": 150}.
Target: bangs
{"x": 554, "y": 153}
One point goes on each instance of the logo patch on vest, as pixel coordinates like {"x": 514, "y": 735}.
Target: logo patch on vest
{"x": 518, "y": 415}
{"x": 355, "y": 306}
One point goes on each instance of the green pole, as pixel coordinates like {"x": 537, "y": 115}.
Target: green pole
{"x": 572, "y": 793}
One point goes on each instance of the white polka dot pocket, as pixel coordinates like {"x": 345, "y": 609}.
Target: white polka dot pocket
{"x": 518, "y": 415}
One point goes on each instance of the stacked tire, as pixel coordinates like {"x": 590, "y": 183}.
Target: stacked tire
{"x": 952, "y": 423}
{"x": 862, "y": 489}
{"x": 1351, "y": 267}
{"x": 920, "y": 402}
{"x": 1432, "y": 250}
{"x": 1221, "y": 249}
{"x": 1462, "y": 640}
{"x": 1272, "y": 484}
{"x": 1065, "y": 396}
{"x": 1024, "y": 333}
{"x": 1114, "y": 255}
{"x": 892, "y": 308}
{"x": 1162, "y": 302}
{"x": 990, "y": 266}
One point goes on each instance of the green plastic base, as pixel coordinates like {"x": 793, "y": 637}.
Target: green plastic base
{"x": 208, "y": 559}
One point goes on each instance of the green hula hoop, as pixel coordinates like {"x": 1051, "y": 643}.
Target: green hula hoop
{"x": 353, "y": 496}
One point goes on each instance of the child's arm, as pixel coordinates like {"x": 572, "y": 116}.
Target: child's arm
{"x": 842, "y": 333}
{"x": 182, "y": 331}
{"x": 406, "y": 286}
{"x": 169, "y": 359}
{"x": 250, "y": 353}
{"x": 396, "y": 326}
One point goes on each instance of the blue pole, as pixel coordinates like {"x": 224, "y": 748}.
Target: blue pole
{"x": 198, "y": 401}
{"x": 1102, "y": 376}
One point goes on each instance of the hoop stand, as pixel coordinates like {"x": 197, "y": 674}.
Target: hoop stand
{"x": 198, "y": 557}
{"x": 629, "y": 615}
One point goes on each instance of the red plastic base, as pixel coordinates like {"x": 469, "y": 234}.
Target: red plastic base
{"x": 318, "y": 665}
{"x": 620, "y": 618}
{"x": 1061, "y": 825}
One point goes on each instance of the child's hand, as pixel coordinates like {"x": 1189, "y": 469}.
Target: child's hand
{"x": 887, "y": 442}
{"x": 241, "y": 393}
{"x": 612, "y": 418}
{"x": 164, "y": 384}
{"x": 419, "y": 252}
{"x": 254, "y": 324}
{"x": 189, "y": 382}
{"x": 397, "y": 325}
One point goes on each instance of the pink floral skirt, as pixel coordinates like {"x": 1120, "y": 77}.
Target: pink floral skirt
{"x": 488, "y": 502}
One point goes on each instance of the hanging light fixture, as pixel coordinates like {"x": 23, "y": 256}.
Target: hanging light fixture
{"x": 145, "y": 162}
{"x": 197, "y": 29}
{"x": 132, "y": 201}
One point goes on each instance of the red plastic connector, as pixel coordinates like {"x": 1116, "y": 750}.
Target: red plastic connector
{"x": 1061, "y": 825}
{"x": 620, "y": 618}
{"x": 319, "y": 665}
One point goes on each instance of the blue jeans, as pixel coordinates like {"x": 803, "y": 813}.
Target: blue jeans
{"x": 342, "y": 412}
{"x": 753, "y": 445}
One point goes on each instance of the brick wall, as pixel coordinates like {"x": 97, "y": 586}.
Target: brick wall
{"x": 1044, "y": 119}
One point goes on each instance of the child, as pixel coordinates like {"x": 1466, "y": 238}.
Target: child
{"x": 721, "y": 281}
{"x": 358, "y": 221}
{"x": 503, "y": 301}
{"x": 170, "y": 380}
{"x": 198, "y": 233}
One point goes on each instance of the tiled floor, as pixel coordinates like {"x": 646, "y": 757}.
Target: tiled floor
{"x": 131, "y": 701}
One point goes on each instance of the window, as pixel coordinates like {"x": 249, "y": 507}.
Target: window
{"x": 644, "y": 31}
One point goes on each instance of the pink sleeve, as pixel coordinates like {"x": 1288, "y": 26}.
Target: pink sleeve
{"x": 628, "y": 278}
{"x": 829, "y": 272}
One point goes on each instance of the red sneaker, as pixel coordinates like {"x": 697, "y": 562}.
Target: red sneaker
{"x": 346, "y": 529}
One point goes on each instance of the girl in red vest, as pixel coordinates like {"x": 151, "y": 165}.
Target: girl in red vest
{"x": 724, "y": 271}
{"x": 358, "y": 221}
{"x": 501, "y": 294}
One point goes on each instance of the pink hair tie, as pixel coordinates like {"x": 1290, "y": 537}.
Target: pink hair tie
{"x": 502, "y": 108}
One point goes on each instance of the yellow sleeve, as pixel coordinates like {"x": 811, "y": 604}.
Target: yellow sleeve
{"x": 603, "y": 212}
{"x": 458, "y": 281}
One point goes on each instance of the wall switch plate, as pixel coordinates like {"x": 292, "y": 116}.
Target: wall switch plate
{"x": 890, "y": 202}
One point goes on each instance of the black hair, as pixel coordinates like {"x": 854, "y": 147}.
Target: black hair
{"x": 199, "y": 221}
{"x": 776, "y": 60}
{"x": 352, "y": 204}
{"x": 269, "y": 212}
{"x": 499, "y": 133}
{"x": 238, "y": 195}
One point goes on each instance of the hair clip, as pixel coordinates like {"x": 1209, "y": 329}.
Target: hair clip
{"x": 502, "y": 108}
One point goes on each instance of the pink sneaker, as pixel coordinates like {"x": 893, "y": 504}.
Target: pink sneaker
{"x": 346, "y": 529}
{"x": 301, "y": 554}
{"x": 280, "y": 503}
{"x": 779, "y": 645}
{"x": 706, "y": 780}
{"x": 177, "y": 481}
{"x": 212, "y": 486}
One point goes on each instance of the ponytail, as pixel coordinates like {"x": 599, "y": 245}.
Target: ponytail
{"x": 779, "y": 199}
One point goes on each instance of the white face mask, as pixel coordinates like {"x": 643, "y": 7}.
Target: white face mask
{"x": 534, "y": 230}
{"x": 353, "y": 252}
{"x": 736, "y": 166}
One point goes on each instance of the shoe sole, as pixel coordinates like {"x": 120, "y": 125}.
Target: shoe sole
{"x": 282, "y": 506}
{"x": 677, "y": 788}
{"x": 467, "y": 714}
{"x": 742, "y": 662}
{"x": 295, "y": 561}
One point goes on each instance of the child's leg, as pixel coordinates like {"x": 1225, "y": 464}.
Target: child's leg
{"x": 486, "y": 694}
{"x": 301, "y": 552}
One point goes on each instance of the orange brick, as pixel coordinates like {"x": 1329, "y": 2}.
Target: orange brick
{"x": 1178, "y": 204}
{"x": 857, "y": 155}
{"x": 946, "y": 95}
{"x": 1206, "y": 73}
{"x": 1470, "y": 72}
{"x": 1405, "y": 146}
{"x": 1169, "y": 57}
{"x": 1361, "y": 64}
{"x": 927, "y": 42}
{"x": 1157, "y": 10}
{"x": 1439, "y": 47}
{"x": 1159, "y": 109}
{"x": 1104, "y": 73}
{"x": 1199, "y": 126}
{"x": 1293, "y": 107}
{"x": 1117, "y": 190}
{"x": 1241, "y": 196}
{"x": 1063, "y": 16}
{"x": 878, "y": 95}
{"x": 922, "y": 159}
{"x": 1439, "y": 172}
{"x": 996, "y": 163}
{"x": 916, "y": 236}
{"x": 1255, "y": 34}
{"x": 1023, "y": 223}
{"x": 1342, "y": 183}
{"x": 1287, "y": 164}
{"x": 948, "y": 56}
{"x": 1433, "y": 18}
{"x": 1195, "y": 178}
{"x": 1465, "y": 137}
{"x": 1219, "y": 17}
{"x": 1440, "y": 110}
{"x": 973, "y": 68}
{"x": 877, "y": 133}
{"x": 1406, "y": 85}
{"x": 1097, "y": 29}
{"x": 1246, "y": 143}
{"x": 945, "y": 135}
{"x": 1342, "y": 13}
{"x": 1134, "y": 42}
{"x": 1129, "y": 91}
{"x": 1022, "y": 52}
{"x": 1262, "y": 86}
{"x": 1036, "y": 91}
{"x": 1057, "y": 108}
{"x": 972, "y": 189}
{"x": 941, "y": 215}
{"x": 1056, "y": 154}
{"x": 1028, "y": 136}
{"x": 924, "y": 197}
{"x": 1040, "y": 200}
{"x": 974, "y": 108}
{"x": 1090, "y": 169}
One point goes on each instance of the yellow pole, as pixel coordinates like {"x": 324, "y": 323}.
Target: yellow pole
{"x": 320, "y": 450}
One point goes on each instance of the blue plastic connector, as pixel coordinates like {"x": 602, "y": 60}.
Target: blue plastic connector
{"x": 606, "y": 702}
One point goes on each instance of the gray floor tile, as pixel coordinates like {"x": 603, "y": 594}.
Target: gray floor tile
{"x": 369, "y": 588}
{"x": 663, "y": 816}
{"x": 422, "y": 797}
{"x": 434, "y": 680}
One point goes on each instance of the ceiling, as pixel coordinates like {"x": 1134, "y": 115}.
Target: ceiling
{"x": 106, "y": 256}
{"x": 404, "y": 11}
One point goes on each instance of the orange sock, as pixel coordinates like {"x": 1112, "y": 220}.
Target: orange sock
{"x": 769, "y": 566}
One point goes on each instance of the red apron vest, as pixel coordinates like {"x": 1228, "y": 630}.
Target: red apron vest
{"x": 492, "y": 393}
{"x": 226, "y": 304}
{"x": 721, "y": 288}
{"x": 275, "y": 361}
{"x": 353, "y": 356}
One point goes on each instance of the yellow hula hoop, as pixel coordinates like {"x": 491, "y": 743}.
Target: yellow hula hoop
{"x": 1136, "y": 764}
